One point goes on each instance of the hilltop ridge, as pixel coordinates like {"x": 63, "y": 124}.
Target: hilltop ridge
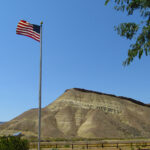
{"x": 101, "y": 93}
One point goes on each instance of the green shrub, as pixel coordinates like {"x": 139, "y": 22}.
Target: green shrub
{"x": 66, "y": 146}
{"x": 13, "y": 143}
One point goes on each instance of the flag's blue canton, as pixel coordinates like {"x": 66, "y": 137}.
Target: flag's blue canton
{"x": 36, "y": 28}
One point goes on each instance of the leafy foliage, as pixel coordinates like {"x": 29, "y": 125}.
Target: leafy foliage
{"x": 138, "y": 31}
{"x": 13, "y": 143}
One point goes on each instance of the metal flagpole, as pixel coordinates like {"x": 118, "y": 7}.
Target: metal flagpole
{"x": 40, "y": 88}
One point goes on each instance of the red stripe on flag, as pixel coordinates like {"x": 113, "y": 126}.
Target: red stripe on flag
{"x": 29, "y": 31}
{"x": 37, "y": 39}
{"x": 30, "y": 34}
{"x": 26, "y": 33}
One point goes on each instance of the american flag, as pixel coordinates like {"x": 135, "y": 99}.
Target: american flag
{"x": 27, "y": 29}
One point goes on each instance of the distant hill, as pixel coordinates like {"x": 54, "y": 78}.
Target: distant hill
{"x": 87, "y": 114}
{"x": 2, "y": 122}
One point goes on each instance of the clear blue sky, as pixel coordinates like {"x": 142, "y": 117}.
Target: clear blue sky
{"x": 80, "y": 49}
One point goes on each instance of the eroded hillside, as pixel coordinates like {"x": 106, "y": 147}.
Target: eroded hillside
{"x": 87, "y": 114}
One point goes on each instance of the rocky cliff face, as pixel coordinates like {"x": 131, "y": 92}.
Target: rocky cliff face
{"x": 86, "y": 114}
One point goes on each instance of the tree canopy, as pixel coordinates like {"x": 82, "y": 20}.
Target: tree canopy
{"x": 132, "y": 30}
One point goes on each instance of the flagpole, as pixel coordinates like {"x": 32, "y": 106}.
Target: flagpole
{"x": 40, "y": 88}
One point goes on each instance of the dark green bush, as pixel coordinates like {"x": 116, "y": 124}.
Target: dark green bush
{"x": 13, "y": 143}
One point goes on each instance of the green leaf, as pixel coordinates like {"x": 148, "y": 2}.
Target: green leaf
{"x": 106, "y": 2}
{"x": 140, "y": 53}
